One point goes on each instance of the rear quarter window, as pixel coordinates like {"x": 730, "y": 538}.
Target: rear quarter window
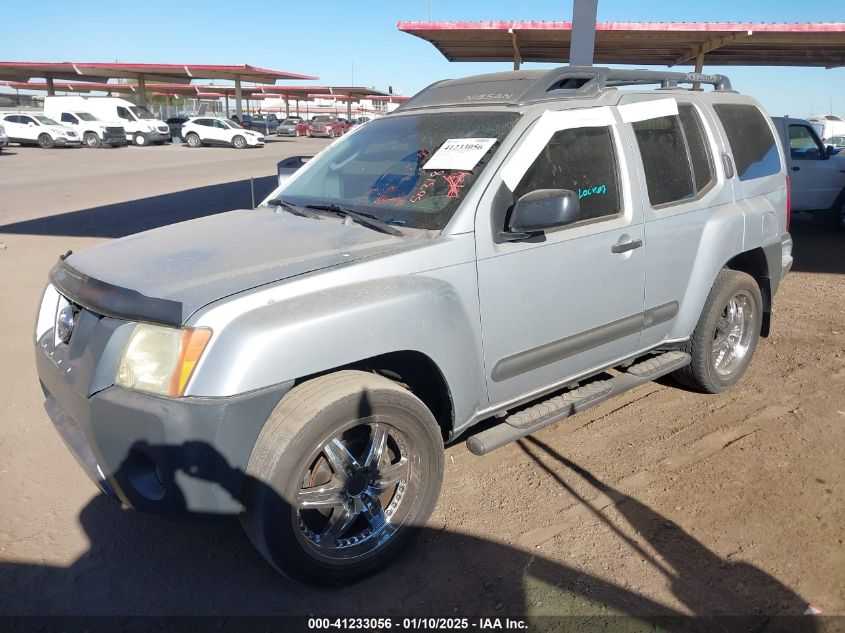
{"x": 752, "y": 143}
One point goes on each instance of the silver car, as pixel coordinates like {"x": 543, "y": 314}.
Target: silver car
{"x": 488, "y": 252}
{"x": 4, "y": 140}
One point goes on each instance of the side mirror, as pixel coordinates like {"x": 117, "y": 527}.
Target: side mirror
{"x": 542, "y": 210}
{"x": 30, "y": 124}
{"x": 288, "y": 166}
{"x": 830, "y": 150}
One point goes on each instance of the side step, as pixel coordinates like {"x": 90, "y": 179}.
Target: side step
{"x": 555, "y": 409}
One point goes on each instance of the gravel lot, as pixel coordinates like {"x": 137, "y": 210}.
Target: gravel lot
{"x": 662, "y": 501}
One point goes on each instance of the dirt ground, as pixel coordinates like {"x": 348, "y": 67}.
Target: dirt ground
{"x": 659, "y": 502}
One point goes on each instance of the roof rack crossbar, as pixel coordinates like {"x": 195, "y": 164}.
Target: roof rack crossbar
{"x": 590, "y": 80}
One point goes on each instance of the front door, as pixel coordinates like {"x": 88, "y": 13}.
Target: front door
{"x": 815, "y": 178}
{"x": 571, "y": 300}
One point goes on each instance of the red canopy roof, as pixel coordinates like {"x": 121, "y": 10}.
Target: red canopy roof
{"x": 641, "y": 43}
{"x": 179, "y": 73}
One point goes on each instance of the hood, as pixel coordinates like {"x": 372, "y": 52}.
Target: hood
{"x": 194, "y": 263}
{"x": 61, "y": 129}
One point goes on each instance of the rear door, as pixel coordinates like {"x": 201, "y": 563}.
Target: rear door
{"x": 571, "y": 300}
{"x": 15, "y": 130}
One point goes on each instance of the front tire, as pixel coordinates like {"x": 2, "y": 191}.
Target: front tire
{"x": 45, "y": 141}
{"x": 726, "y": 336}
{"x": 239, "y": 142}
{"x": 345, "y": 471}
{"x": 140, "y": 139}
{"x": 92, "y": 140}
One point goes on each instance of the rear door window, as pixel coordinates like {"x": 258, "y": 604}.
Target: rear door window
{"x": 666, "y": 161}
{"x": 699, "y": 148}
{"x": 750, "y": 137}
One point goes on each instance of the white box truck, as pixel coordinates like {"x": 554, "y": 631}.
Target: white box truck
{"x": 141, "y": 127}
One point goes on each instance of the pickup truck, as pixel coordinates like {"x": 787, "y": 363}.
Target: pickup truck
{"x": 817, "y": 173}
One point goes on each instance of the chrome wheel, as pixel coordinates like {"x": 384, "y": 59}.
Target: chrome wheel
{"x": 357, "y": 490}
{"x": 734, "y": 334}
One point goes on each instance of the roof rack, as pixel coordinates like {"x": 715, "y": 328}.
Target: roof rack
{"x": 590, "y": 80}
{"x": 532, "y": 86}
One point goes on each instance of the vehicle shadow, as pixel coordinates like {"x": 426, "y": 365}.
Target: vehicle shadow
{"x": 146, "y": 565}
{"x": 816, "y": 249}
{"x": 126, "y": 218}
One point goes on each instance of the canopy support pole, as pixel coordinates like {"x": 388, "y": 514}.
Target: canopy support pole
{"x": 226, "y": 99}
{"x": 51, "y": 89}
{"x": 582, "y": 48}
{"x": 238, "y": 105}
{"x": 142, "y": 91}
{"x": 517, "y": 56}
{"x": 699, "y": 67}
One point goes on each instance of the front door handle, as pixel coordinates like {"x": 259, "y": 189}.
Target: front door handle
{"x": 627, "y": 246}
{"x": 796, "y": 168}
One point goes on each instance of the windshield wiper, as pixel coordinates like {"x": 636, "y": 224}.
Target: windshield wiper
{"x": 364, "y": 219}
{"x": 292, "y": 208}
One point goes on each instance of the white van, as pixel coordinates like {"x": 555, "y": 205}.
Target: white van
{"x": 92, "y": 131}
{"x": 827, "y": 125}
{"x": 141, "y": 127}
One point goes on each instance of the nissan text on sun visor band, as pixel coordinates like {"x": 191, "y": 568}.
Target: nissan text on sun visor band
{"x": 555, "y": 121}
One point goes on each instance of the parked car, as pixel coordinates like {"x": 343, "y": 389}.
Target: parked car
{"x": 836, "y": 142}
{"x": 141, "y": 127}
{"x": 358, "y": 122}
{"x": 217, "y": 131}
{"x": 827, "y": 125}
{"x": 175, "y": 124}
{"x": 510, "y": 248}
{"x": 817, "y": 174}
{"x": 93, "y": 132}
{"x": 325, "y": 125}
{"x": 292, "y": 127}
{"x": 4, "y": 140}
{"x": 37, "y": 129}
{"x": 264, "y": 124}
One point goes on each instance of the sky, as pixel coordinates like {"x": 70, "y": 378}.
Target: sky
{"x": 357, "y": 42}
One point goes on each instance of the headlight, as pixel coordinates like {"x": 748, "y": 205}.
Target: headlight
{"x": 160, "y": 360}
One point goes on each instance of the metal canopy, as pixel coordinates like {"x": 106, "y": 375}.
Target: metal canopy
{"x": 176, "y": 73}
{"x": 641, "y": 43}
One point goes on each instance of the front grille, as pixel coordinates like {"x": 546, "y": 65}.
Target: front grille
{"x": 114, "y": 130}
{"x": 164, "y": 128}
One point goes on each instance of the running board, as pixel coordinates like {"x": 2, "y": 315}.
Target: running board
{"x": 552, "y": 410}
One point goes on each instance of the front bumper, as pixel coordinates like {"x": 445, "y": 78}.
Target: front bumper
{"x": 158, "y": 454}
{"x": 62, "y": 141}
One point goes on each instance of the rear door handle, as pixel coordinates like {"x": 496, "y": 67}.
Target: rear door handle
{"x": 627, "y": 246}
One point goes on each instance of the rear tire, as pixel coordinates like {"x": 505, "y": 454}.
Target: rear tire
{"x": 344, "y": 472}
{"x": 45, "y": 141}
{"x": 193, "y": 140}
{"x": 239, "y": 142}
{"x": 140, "y": 139}
{"x": 92, "y": 140}
{"x": 726, "y": 336}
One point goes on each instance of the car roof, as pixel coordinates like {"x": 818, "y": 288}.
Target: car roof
{"x": 522, "y": 87}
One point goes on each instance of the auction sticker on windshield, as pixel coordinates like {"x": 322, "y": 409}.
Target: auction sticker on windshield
{"x": 460, "y": 153}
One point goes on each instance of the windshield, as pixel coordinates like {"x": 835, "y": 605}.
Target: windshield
{"x": 398, "y": 170}
{"x": 45, "y": 120}
{"x": 141, "y": 112}
{"x": 232, "y": 124}
{"x": 86, "y": 117}
{"x": 289, "y": 122}
{"x": 322, "y": 117}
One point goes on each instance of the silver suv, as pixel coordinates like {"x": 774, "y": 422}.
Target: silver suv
{"x": 487, "y": 252}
